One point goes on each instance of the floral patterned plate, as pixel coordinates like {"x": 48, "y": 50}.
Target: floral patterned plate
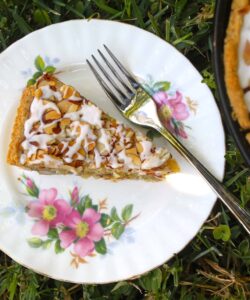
{"x": 97, "y": 231}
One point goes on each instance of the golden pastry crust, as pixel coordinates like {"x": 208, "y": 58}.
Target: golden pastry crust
{"x": 231, "y": 47}
{"x": 17, "y": 135}
{"x": 56, "y": 124}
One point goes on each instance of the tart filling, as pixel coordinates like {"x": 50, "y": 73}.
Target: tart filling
{"x": 237, "y": 62}
{"x": 244, "y": 59}
{"x": 58, "y": 130}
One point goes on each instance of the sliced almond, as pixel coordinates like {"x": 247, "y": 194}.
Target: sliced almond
{"x": 52, "y": 83}
{"x": 71, "y": 143}
{"x": 35, "y": 126}
{"x": 67, "y": 91}
{"x": 34, "y": 143}
{"x": 40, "y": 153}
{"x": 129, "y": 133}
{"x": 173, "y": 165}
{"x": 101, "y": 149}
{"x": 32, "y": 157}
{"x": 139, "y": 147}
{"x": 38, "y": 93}
{"x": 53, "y": 150}
{"x": 42, "y": 83}
{"x": 135, "y": 159}
{"x": 49, "y": 129}
{"x": 64, "y": 106}
{"x": 118, "y": 148}
{"x": 73, "y": 108}
{"x": 64, "y": 123}
{"x": 50, "y": 116}
{"x": 91, "y": 146}
{"x": 77, "y": 94}
{"x": 131, "y": 151}
{"x": 75, "y": 156}
{"x": 58, "y": 129}
{"x": 82, "y": 152}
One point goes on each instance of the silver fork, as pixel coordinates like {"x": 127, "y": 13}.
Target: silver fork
{"x": 137, "y": 105}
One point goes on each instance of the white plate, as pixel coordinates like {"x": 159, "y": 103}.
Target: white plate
{"x": 168, "y": 214}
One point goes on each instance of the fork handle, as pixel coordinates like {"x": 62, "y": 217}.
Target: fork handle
{"x": 223, "y": 194}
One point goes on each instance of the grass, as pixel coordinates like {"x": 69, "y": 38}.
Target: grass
{"x": 216, "y": 264}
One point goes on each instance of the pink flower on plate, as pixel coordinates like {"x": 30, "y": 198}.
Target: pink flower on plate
{"x": 84, "y": 231}
{"x": 48, "y": 211}
{"x": 179, "y": 109}
{"x": 29, "y": 183}
{"x": 171, "y": 107}
{"x": 160, "y": 98}
{"x": 75, "y": 195}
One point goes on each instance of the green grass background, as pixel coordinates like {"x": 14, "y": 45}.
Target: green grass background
{"x": 216, "y": 264}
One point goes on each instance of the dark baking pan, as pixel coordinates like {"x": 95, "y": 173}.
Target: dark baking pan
{"x": 220, "y": 24}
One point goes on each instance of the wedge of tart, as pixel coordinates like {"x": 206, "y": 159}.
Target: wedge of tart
{"x": 56, "y": 130}
{"x": 237, "y": 62}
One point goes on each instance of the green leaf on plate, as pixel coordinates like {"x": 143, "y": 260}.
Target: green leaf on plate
{"x": 53, "y": 234}
{"x": 162, "y": 85}
{"x": 31, "y": 82}
{"x": 39, "y": 63}
{"x": 105, "y": 220}
{"x": 37, "y": 75}
{"x": 46, "y": 244}
{"x": 114, "y": 215}
{"x": 58, "y": 248}
{"x": 101, "y": 247}
{"x": 127, "y": 212}
{"x": 95, "y": 207}
{"x": 49, "y": 69}
{"x": 117, "y": 230}
{"x": 87, "y": 202}
{"x": 222, "y": 232}
{"x": 35, "y": 242}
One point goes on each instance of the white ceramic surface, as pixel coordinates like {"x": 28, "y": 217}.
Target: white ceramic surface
{"x": 170, "y": 212}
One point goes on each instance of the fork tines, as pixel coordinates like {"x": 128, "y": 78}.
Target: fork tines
{"x": 123, "y": 93}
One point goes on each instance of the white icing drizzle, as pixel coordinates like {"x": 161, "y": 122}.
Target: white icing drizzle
{"x": 87, "y": 113}
{"x": 147, "y": 146}
{"x": 113, "y": 162}
{"x": 41, "y": 139}
{"x": 84, "y": 130}
{"x": 47, "y": 92}
{"x": 126, "y": 160}
{"x": 98, "y": 158}
{"x": 37, "y": 110}
{"x": 23, "y": 158}
{"x": 65, "y": 145}
{"x": 155, "y": 160}
{"x": 105, "y": 139}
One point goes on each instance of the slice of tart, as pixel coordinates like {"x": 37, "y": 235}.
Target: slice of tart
{"x": 58, "y": 131}
{"x": 237, "y": 62}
